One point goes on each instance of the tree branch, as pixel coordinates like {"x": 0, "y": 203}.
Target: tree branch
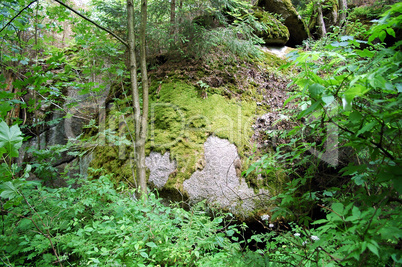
{"x": 16, "y": 16}
{"x": 93, "y": 22}
{"x": 76, "y": 12}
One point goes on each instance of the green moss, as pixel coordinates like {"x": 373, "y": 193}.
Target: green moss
{"x": 275, "y": 29}
{"x": 273, "y": 63}
{"x": 183, "y": 115}
{"x": 107, "y": 159}
{"x": 181, "y": 121}
{"x": 289, "y": 6}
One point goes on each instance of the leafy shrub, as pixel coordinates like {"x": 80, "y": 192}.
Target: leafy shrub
{"x": 90, "y": 222}
{"x": 350, "y": 100}
{"x": 94, "y": 224}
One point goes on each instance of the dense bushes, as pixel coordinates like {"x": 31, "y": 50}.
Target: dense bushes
{"x": 350, "y": 101}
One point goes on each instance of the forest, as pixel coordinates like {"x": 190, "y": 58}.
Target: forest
{"x": 200, "y": 133}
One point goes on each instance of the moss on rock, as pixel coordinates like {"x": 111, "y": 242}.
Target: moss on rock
{"x": 276, "y": 33}
{"x": 181, "y": 121}
{"x": 190, "y": 102}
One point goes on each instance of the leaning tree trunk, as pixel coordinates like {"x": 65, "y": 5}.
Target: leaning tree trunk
{"x": 140, "y": 120}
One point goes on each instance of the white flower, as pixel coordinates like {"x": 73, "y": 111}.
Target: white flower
{"x": 265, "y": 217}
{"x": 297, "y": 234}
{"x": 314, "y": 237}
{"x": 304, "y": 243}
{"x": 271, "y": 225}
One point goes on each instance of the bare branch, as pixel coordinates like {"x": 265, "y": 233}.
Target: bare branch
{"x": 16, "y": 16}
{"x": 76, "y": 12}
{"x": 93, "y": 22}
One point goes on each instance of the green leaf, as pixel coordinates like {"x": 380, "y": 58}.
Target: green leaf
{"x": 382, "y": 35}
{"x": 144, "y": 254}
{"x": 391, "y": 32}
{"x": 309, "y": 110}
{"x": 338, "y": 208}
{"x": 399, "y": 87}
{"x": 229, "y": 233}
{"x": 328, "y": 99}
{"x": 377, "y": 81}
{"x": 151, "y": 245}
{"x": 373, "y": 249}
{"x": 367, "y": 127}
{"x": 119, "y": 72}
{"x": 355, "y": 91}
{"x": 365, "y": 53}
{"x": 9, "y": 190}
{"x": 10, "y": 139}
{"x": 321, "y": 221}
{"x": 355, "y": 117}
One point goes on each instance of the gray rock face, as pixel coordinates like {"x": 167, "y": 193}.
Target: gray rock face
{"x": 219, "y": 183}
{"x": 160, "y": 167}
{"x": 86, "y": 107}
{"x": 293, "y": 21}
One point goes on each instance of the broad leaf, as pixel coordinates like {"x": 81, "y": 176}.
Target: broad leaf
{"x": 10, "y": 139}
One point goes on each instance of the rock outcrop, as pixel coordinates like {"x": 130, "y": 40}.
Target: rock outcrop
{"x": 276, "y": 33}
{"x": 219, "y": 182}
{"x": 292, "y": 20}
{"x": 160, "y": 167}
{"x": 201, "y": 134}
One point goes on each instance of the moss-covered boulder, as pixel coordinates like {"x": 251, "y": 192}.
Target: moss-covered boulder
{"x": 292, "y": 20}
{"x": 201, "y": 133}
{"x": 276, "y": 33}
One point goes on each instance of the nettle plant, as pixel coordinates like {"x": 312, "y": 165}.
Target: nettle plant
{"x": 352, "y": 89}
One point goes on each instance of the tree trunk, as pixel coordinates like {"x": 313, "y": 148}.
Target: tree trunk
{"x": 343, "y": 7}
{"x": 141, "y": 168}
{"x": 320, "y": 21}
{"x": 173, "y": 19}
{"x": 139, "y": 120}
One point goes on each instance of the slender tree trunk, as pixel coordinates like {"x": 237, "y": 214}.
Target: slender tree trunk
{"x": 343, "y": 7}
{"x": 173, "y": 19}
{"x": 134, "y": 87}
{"x": 320, "y": 21}
{"x": 141, "y": 168}
{"x": 37, "y": 130}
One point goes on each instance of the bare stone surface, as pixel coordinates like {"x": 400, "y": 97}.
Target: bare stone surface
{"x": 160, "y": 167}
{"x": 218, "y": 182}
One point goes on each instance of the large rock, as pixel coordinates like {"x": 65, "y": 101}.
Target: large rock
{"x": 59, "y": 129}
{"x": 200, "y": 137}
{"x": 160, "y": 167}
{"x": 292, "y": 20}
{"x": 276, "y": 33}
{"x": 218, "y": 182}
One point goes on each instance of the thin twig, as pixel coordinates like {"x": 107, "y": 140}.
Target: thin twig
{"x": 22, "y": 10}
{"x": 94, "y": 23}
